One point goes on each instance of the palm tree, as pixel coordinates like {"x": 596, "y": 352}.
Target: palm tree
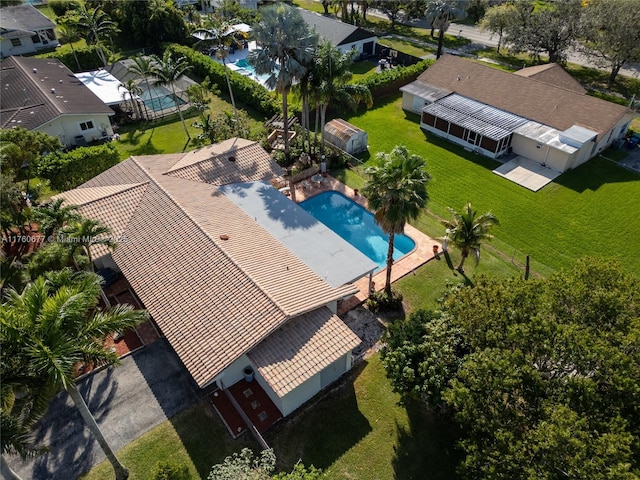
{"x": 467, "y": 230}
{"x": 53, "y": 216}
{"x": 217, "y": 35}
{"x": 440, "y": 13}
{"x": 286, "y": 46}
{"x": 142, "y": 68}
{"x": 69, "y": 34}
{"x": 132, "y": 90}
{"x": 56, "y": 323}
{"x": 333, "y": 75}
{"x": 169, "y": 70}
{"x": 86, "y": 233}
{"x": 396, "y": 192}
{"x": 97, "y": 26}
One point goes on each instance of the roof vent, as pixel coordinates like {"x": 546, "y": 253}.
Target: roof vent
{"x": 232, "y": 159}
{"x": 53, "y": 90}
{"x": 458, "y": 78}
{"x": 35, "y": 70}
{"x": 224, "y": 237}
{"x": 60, "y": 80}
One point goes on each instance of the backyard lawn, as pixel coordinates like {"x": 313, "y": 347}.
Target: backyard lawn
{"x": 586, "y": 211}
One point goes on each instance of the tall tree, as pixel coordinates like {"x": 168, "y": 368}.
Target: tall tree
{"x": 217, "y": 34}
{"x": 396, "y": 192}
{"x": 143, "y": 68}
{"x": 391, "y": 8}
{"x": 69, "y": 34}
{"x": 169, "y": 70}
{"x": 22, "y": 149}
{"x": 97, "y": 27}
{"x": 498, "y": 19}
{"x": 56, "y": 322}
{"x": 611, "y": 34}
{"x": 545, "y": 28}
{"x": 332, "y": 70}
{"x": 467, "y": 230}
{"x": 440, "y": 13}
{"x": 286, "y": 46}
{"x": 85, "y": 233}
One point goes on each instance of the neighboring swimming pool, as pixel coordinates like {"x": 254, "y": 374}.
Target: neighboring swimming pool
{"x": 159, "y": 98}
{"x": 357, "y": 226}
{"x": 245, "y": 69}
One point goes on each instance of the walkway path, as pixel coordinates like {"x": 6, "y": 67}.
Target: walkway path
{"x": 150, "y": 386}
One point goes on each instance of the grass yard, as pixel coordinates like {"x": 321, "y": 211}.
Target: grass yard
{"x": 405, "y": 46}
{"x": 586, "y": 211}
{"x": 195, "y": 438}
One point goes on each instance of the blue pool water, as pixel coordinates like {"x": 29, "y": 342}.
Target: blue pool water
{"x": 357, "y": 226}
{"x": 248, "y": 70}
{"x": 159, "y": 98}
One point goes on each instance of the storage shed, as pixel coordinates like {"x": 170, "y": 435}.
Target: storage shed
{"x": 345, "y": 136}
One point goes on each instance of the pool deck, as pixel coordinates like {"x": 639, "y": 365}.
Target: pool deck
{"x": 421, "y": 254}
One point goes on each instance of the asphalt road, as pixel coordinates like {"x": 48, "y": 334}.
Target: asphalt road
{"x": 480, "y": 37}
{"x": 150, "y": 386}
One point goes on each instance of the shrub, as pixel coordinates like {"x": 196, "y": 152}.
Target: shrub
{"x": 171, "y": 471}
{"x": 245, "y": 90}
{"x": 87, "y": 57}
{"x": 394, "y": 78}
{"x": 60, "y": 7}
{"x": 66, "y": 170}
{"x": 381, "y": 302}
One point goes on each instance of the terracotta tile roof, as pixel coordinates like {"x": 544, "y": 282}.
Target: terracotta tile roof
{"x": 301, "y": 348}
{"x": 553, "y": 74}
{"x": 553, "y": 106}
{"x": 30, "y": 99}
{"x": 212, "y": 164}
{"x": 214, "y": 299}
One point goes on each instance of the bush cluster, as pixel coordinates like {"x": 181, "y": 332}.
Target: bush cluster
{"x": 245, "y": 90}
{"x": 60, "y": 7}
{"x": 381, "y": 302}
{"x": 394, "y": 76}
{"x": 87, "y": 57}
{"x": 67, "y": 170}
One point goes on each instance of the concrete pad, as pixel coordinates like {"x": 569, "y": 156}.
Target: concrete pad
{"x": 527, "y": 173}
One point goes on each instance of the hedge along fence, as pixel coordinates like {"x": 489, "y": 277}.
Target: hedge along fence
{"x": 389, "y": 81}
{"x": 245, "y": 90}
{"x": 67, "y": 170}
{"x": 87, "y": 57}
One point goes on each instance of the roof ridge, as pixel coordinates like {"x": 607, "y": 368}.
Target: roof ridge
{"x": 173, "y": 172}
{"x": 130, "y": 186}
{"x": 206, "y": 234}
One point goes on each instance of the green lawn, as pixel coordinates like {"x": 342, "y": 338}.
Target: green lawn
{"x": 407, "y": 47}
{"x": 586, "y": 211}
{"x": 356, "y": 430}
{"x": 195, "y": 438}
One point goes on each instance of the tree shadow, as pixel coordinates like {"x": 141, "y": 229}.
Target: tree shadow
{"x": 324, "y": 429}
{"x": 427, "y": 445}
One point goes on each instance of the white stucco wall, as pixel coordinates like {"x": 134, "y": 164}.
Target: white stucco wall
{"x": 67, "y": 127}
{"x": 359, "y": 46}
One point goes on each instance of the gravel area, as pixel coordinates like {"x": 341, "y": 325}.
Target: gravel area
{"x": 368, "y": 327}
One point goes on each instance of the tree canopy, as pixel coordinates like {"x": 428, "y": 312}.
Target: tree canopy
{"x": 543, "y": 375}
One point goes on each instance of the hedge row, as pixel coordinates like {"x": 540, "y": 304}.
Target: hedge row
{"x": 67, "y": 170}
{"x": 245, "y": 90}
{"x": 87, "y": 57}
{"x": 392, "y": 79}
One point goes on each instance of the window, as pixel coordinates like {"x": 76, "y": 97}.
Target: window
{"x": 88, "y": 125}
{"x": 16, "y": 42}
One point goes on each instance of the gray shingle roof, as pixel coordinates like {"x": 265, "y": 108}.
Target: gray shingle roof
{"x": 24, "y": 17}
{"x": 335, "y": 31}
{"x": 38, "y": 90}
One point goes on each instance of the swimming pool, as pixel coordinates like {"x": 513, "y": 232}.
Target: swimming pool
{"x": 245, "y": 69}
{"x": 159, "y": 98}
{"x": 357, "y": 226}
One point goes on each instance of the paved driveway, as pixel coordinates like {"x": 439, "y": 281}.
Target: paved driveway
{"x": 150, "y": 386}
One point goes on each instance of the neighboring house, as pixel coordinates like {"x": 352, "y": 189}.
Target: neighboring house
{"x": 234, "y": 273}
{"x": 343, "y": 35}
{"x": 43, "y": 95}
{"x": 540, "y": 113}
{"x": 24, "y": 30}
